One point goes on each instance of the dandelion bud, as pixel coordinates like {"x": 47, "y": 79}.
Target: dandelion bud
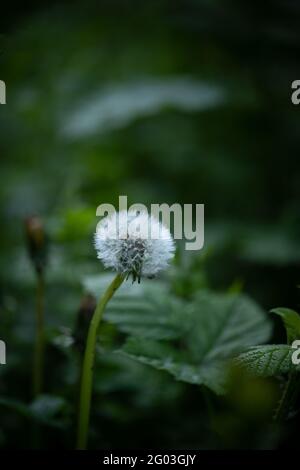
{"x": 36, "y": 242}
{"x": 134, "y": 244}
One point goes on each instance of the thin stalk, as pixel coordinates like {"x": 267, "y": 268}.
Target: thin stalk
{"x": 38, "y": 364}
{"x": 88, "y": 364}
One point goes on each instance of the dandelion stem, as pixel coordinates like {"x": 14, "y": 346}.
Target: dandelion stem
{"x": 39, "y": 339}
{"x": 88, "y": 364}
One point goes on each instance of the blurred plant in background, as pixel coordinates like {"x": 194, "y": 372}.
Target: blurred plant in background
{"x": 163, "y": 102}
{"x": 37, "y": 250}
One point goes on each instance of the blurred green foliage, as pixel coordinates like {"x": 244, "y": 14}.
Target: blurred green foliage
{"x": 163, "y": 101}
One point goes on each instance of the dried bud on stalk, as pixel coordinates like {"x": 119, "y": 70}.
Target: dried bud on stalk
{"x": 37, "y": 243}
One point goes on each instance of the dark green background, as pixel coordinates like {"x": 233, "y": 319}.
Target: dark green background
{"x": 236, "y": 150}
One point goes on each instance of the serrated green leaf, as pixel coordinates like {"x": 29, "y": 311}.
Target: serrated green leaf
{"x": 221, "y": 325}
{"x": 192, "y": 341}
{"x": 291, "y": 321}
{"x": 145, "y": 310}
{"x": 213, "y": 328}
{"x": 164, "y": 357}
{"x": 268, "y": 360}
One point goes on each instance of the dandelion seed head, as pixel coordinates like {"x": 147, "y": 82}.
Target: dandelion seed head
{"x": 134, "y": 244}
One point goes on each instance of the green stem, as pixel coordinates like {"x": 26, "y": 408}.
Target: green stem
{"x": 38, "y": 364}
{"x": 88, "y": 364}
{"x": 288, "y": 397}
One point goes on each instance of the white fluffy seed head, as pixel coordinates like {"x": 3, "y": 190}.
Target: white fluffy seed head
{"x": 134, "y": 244}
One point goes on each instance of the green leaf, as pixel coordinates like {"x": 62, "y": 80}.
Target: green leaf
{"x": 269, "y": 360}
{"x": 46, "y": 409}
{"x": 213, "y": 328}
{"x": 162, "y": 356}
{"x": 145, "y": 310}
{"x": 191, "y": 340}
{"x": 291, "y": 321}
{"x": 136, "y": 99}
{"x": 221, "y": 325}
